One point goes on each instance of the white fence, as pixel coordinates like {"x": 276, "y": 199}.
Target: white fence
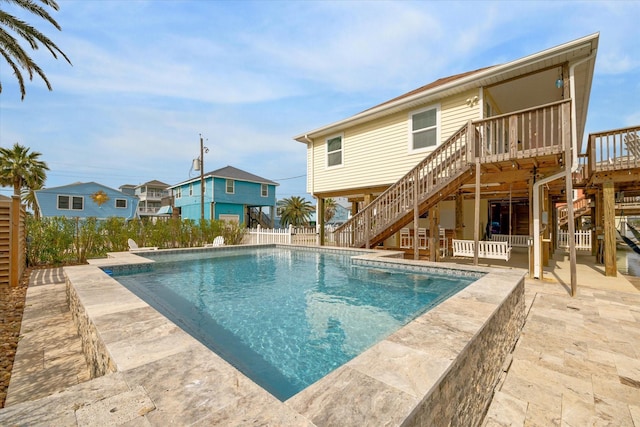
{"x": 583, "y": 239}
{"x": 290, "y": 235}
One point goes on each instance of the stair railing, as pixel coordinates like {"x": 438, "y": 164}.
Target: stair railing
{"x": 425, "y": 179}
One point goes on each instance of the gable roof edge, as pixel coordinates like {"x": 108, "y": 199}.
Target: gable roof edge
{"x": 465, "y": 82}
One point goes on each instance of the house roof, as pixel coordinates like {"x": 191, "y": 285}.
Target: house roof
{"x": 153, "y": 183}
{"x": 569, "y": 52}
{"x": 229, "y": 172}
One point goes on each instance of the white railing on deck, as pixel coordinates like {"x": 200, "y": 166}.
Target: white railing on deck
{"x": 290, "y": 235}
{"x": 583, "y": 239}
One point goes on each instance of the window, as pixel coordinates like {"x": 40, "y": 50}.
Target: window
{"x": 334, "y": 151}
{"x": 424, "y": 128}
{"x": 230, "y": 186}
{"x": 63, "y": 202}
{"x": 264, "y": 190}
{"x": 121, "y": 203}
{"x": 191, "y": 189}
{"x": 178, "y": 192}
{"x": 75, "y": 203}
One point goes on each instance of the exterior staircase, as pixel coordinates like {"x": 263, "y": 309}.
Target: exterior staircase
{"x": 437, "y": 176}
{"x": 580, "y": 207}
{"x": 261, "y": 218}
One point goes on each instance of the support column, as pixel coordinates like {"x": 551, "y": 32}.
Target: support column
{"x": 599, "y": 227}
{"x": 531, "y": 246}
{"x": 416, "y": 216}
{"x": 546, "y": 223}
{"x": 594, "y": 236}
{"x": 320, "y": 222}
{"x": 476, "y": 224}
{"x": 609, "y": 196}
{"x": 368, "y": 198}
{"x": 434, "y": 236}
{"x": 459, "y": 230}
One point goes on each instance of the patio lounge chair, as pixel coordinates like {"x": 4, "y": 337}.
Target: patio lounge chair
{"x": 218, "y": 241}
{"x": 133, "y": 246}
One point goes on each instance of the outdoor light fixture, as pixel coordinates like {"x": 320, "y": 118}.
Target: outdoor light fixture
{"x": 560, "y": 80}
{"x": 559, "y": 83}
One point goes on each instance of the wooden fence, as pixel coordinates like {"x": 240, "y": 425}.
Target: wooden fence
{"x": 13, "y": 253}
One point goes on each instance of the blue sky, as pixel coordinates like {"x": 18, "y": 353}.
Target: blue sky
{"x": 149, "y": 77}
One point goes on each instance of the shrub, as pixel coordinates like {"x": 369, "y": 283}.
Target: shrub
{"x": 60, "y": 240}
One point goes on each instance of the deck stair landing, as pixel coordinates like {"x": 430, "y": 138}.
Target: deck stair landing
{"x": 441, "y": 173}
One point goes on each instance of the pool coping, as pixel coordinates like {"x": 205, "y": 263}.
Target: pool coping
{"x": 405, "y": 379}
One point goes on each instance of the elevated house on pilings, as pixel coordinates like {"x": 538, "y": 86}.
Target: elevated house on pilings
{"x": 502, "y": 140}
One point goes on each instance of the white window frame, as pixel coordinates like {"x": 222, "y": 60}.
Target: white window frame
{"x": 68, "y": 202}
{"x": 233, "y": 186}
{"x": 264, "y": 190}
{"x": 437, "y": 127}
{"x": 121, "y": 200}
{"x": 73, "y": 200}
{"x": 178, "y": 192}
{"x": 191, "y": 189}
{"x": 341, "y": 150}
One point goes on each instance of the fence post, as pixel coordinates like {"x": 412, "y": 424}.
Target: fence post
{"x": 290, "y": 233}
{"x": 258, "y": 228}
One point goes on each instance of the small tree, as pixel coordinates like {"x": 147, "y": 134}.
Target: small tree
{"x": 330, "y": 206}
{"x": 295, "y": 211}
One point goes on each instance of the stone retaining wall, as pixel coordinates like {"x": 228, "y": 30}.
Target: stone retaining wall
{"x": 473, "y": 376}
{"x": 95, "y": 351}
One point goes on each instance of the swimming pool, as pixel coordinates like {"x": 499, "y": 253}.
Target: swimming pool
{"x": 287, "y": 317}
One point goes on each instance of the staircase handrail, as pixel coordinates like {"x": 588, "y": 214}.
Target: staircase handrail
{"x": 398, "y": 199}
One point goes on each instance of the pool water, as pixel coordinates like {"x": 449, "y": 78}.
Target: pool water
{"x": 287, "y": 318}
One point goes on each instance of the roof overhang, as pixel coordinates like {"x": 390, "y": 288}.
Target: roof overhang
{"x": 570, "y": 52}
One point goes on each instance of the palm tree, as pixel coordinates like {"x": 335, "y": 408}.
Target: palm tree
{"x": 13, "y": 53}
{"x": 295, "y": 211}
{"x": 22, "y": 169}
{"x": 330, "y": 206}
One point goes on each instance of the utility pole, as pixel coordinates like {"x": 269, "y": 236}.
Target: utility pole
{"x": 201, "y": 179}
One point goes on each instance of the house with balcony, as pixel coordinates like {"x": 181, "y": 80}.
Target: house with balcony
{"x": 151, "y": 194}
{"x": 228, "y": 194}
{"x": 84, "y": 200}
{"x": 498, "y": 146}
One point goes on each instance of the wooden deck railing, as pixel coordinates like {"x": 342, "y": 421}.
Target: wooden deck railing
{"x": 523, "y": 134}
{"x": 528, "y": 133}
{"x": 613, "y": 150}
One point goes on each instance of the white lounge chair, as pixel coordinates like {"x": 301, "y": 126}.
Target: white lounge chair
{"x": 218, "y": 241}
{"x": 133, "y": 247}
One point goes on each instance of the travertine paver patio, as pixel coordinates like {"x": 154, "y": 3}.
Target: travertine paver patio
{"x": 577, "y": 363}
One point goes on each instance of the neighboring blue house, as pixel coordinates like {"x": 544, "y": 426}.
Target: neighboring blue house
{"x": 80, "y": 200}
{"x": 230, "y": 194}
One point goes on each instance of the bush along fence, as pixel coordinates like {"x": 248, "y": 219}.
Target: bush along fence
{"x": 60, "y": 240}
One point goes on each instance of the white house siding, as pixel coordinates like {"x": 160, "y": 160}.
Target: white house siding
{"x": 377, "y": 153}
